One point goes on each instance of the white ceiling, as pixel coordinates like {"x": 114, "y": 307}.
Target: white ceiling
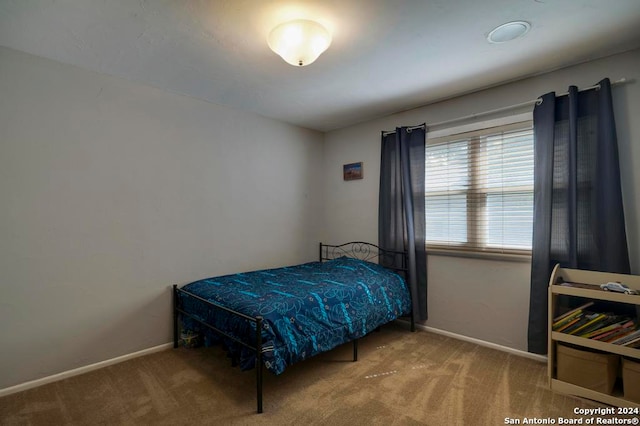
{"x": 386, "y": 55}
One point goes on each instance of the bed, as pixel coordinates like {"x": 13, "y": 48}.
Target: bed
{"x": 276, "y": 317}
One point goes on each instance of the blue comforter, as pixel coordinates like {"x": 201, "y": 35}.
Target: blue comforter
{"x": 307, "y": 309}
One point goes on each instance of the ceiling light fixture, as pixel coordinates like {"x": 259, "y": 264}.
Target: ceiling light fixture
{"x": 509, "y": 31}
{"x": 299, "y": 42}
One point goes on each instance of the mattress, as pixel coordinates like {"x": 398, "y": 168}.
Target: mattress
{"x": 307, "y": 309}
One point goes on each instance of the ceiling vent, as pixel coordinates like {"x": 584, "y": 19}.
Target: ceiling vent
{"x": 509, "y": 31}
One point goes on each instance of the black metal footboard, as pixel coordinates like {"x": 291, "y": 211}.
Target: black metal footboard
{"x": 257, "y": 348}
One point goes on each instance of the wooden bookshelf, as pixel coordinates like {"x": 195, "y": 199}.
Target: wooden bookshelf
{"x": 585, "y": 285}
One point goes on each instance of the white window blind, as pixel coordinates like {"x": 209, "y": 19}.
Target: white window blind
{"x": 479, "y": 190}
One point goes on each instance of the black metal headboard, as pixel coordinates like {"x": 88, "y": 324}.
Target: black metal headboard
{"x": 392, "y": 259}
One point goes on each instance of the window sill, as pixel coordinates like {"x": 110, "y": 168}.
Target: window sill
{"x": 510, "y": 257}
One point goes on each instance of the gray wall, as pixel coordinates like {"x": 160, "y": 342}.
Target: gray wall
{"x": 479, "y": 298}
{"x": 112, "y": 191}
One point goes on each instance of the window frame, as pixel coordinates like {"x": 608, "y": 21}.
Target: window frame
{"x": 471, "y": 248}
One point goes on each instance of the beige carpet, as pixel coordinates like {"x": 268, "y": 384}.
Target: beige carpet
{"x": 401, "y": 378}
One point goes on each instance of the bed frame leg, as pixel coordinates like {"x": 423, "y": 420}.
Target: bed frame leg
{"x": 413, "y": 322}
{"x": 355, "y": 350}
{"x": 259, "y": 363}
{"x": 259, "y": 381}
{"x": 175, "y": 316}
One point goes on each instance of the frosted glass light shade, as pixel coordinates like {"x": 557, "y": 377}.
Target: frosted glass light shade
{"x": 299, "y": 42}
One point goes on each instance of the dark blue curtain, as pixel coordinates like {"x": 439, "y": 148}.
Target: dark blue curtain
{"x": 401, "y": 211}
{"x": 578, "y": 218}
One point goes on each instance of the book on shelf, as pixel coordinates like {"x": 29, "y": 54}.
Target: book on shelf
{"x": 567, "y": 320}
{"x": 592, "y": 320}
{"x": 599, "y": 323}
{"x": 632, "y": 342}
{"x": 617, "y": 332}
{"x": 632, "y": 335}
{"x": 577, "y": 310}
{"x": 582, "y": 320}
{"x": 569, "y": 324}
{"x": 609, "y": 324}
{"x": 579, "y": 322}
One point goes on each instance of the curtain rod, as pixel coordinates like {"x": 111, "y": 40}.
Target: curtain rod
{"x": 522, "y": 104}
{"x": 409, "y": 129}
{"x": 507, "y": 108}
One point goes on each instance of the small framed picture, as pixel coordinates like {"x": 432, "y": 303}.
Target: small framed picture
{"x": 352, "y": 171}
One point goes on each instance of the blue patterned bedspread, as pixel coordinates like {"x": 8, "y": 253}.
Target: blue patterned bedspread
{"x": 307, "y": 309}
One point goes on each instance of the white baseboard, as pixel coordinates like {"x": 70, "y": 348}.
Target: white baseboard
{"x": 81, "y": 370}
{"x": 535, "y": 357}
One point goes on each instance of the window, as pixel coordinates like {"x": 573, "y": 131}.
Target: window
{"x": 479, "y": 190}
